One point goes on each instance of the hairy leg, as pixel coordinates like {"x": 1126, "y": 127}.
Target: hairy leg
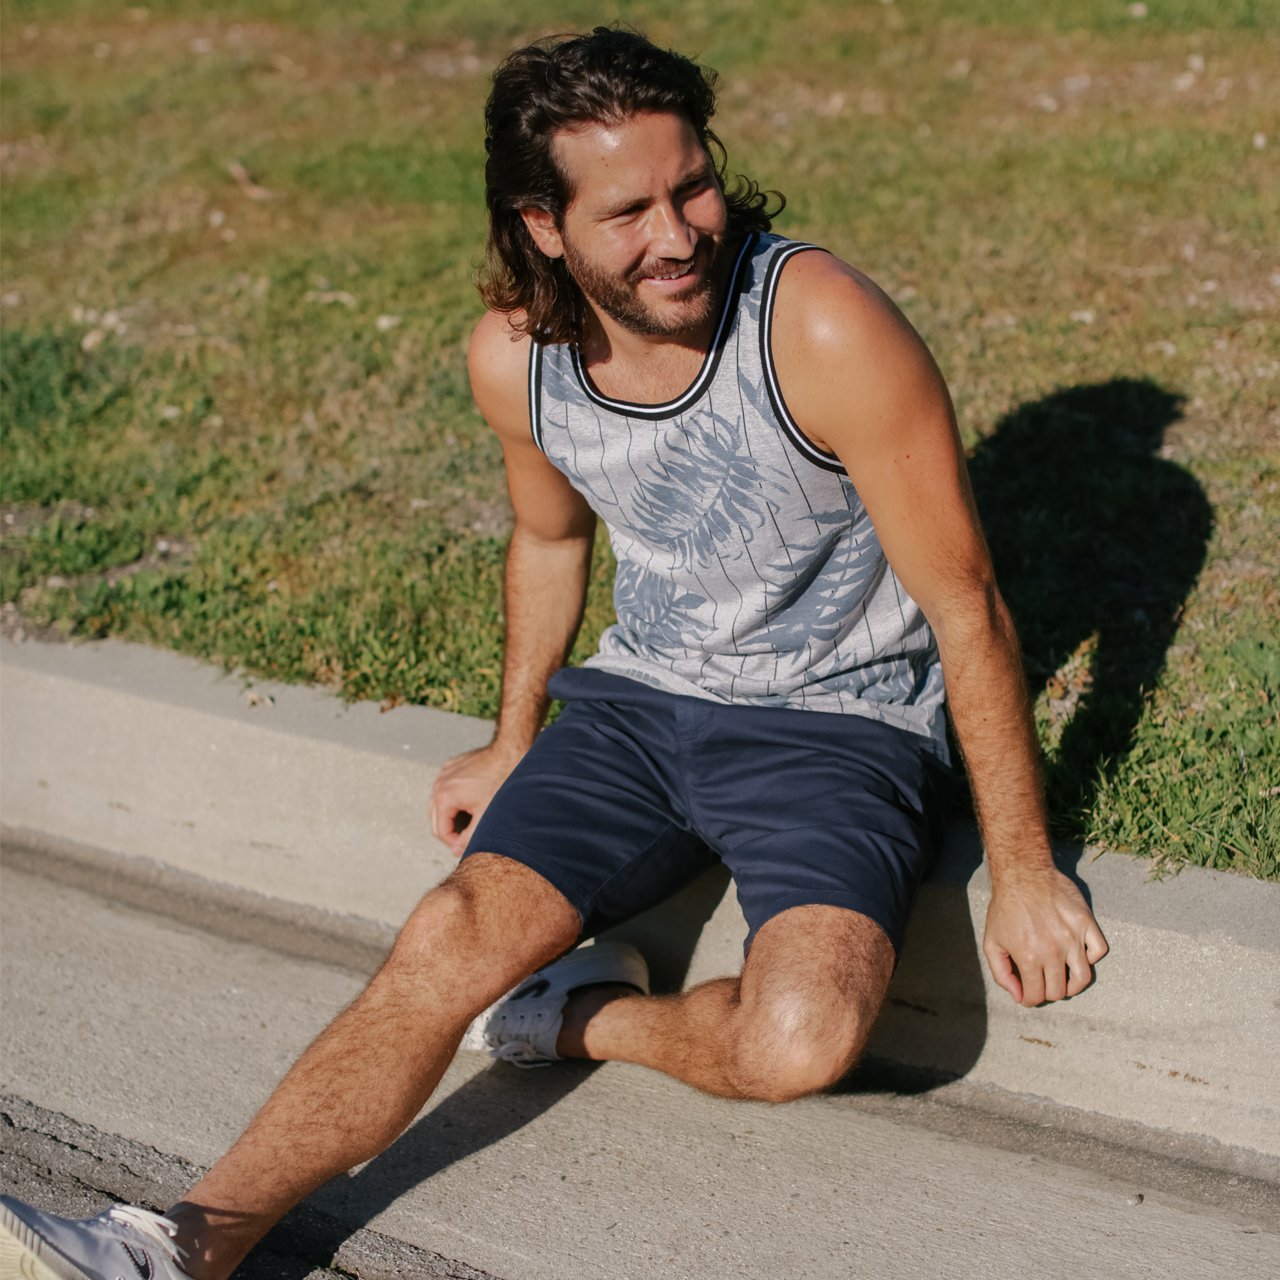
{"x": 369, "y": 1072}
{"x": 793, "y": 1023}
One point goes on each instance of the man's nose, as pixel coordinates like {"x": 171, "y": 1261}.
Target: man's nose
{"x": 672, "y": 236}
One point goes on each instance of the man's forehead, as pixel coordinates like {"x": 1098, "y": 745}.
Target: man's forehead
{"x": 597, "y": 153}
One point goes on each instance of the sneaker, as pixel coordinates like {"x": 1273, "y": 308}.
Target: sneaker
{"x": 522, "y": 1027}
{"x": 121, "y": 1244}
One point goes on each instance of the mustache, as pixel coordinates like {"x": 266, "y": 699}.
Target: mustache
{"x": 671, "y": 266}
{"x": 662, "y": 267}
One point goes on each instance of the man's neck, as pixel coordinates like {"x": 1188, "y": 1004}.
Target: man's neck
{"x": 608, "y": 342}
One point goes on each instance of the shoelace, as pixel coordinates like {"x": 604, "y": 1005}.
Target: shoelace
{"x": 514, "y": 1035}
{"x": 154, "y": 1226}
{"x": 520, "y": 1053}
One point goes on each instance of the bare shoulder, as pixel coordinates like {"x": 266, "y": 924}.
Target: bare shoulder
{"x": 828, "y": 304}
{"x": 498, "y": 364}
{"x": 847, "y": 358}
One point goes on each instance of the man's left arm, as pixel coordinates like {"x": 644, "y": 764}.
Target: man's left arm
{"x": 861, "y": 384}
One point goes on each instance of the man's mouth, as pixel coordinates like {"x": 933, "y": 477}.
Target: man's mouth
{"x": 671, "y": 278}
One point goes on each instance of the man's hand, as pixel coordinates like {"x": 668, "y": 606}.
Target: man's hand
{"x": 1041, "y": 939}
{"x": 463, "y": 790}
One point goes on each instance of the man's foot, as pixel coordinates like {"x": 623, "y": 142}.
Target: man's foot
{"x": 523, "y": 1026}
{"x": 122, "y": 1242}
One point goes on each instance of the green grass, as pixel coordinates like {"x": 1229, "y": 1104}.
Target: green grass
{"x": 241, "y": 427}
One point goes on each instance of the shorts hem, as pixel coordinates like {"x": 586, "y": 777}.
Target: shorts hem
{"x": 848, "y": 901}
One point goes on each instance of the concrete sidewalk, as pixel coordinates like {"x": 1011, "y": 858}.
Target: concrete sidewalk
{"x": 144, "y": 773}
{"x": 136, "y": 1049}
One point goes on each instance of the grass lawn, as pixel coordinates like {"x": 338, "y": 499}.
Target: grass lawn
{"x": 237, "y": 249}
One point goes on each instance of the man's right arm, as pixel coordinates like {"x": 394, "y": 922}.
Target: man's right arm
{"x": 548, "y": 561}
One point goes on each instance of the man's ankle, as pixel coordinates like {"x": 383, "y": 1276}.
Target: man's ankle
{"x": 213, "y": 1241}
{"x": 580, "y": 1010}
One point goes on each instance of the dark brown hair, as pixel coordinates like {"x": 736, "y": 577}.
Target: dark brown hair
{"x": 601, "y": 78}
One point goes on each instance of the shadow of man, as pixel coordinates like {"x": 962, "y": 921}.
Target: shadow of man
{"x": 1096, "y": 541}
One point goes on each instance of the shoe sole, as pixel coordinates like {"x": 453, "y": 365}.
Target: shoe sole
{"x": 24, "y": 1255}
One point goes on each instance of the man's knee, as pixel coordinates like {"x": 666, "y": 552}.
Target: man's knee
{"x": 810, "y": 992}
{"x": 793, "y": 1047}
{"x": 440, "y": 924}
{"x": 491, "y": 922}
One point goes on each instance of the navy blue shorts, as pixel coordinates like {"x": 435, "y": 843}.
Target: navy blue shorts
{"x": 633, "y": 791}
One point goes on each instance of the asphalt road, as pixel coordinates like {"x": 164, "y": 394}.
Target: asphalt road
{"x": 136, "y": 1046}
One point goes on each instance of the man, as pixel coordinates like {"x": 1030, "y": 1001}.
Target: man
{"x": 774, "y": 452}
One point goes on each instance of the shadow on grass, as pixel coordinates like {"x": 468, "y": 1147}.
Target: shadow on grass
{"x": 1097, "y": 541}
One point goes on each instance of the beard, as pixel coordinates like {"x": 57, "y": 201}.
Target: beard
{"x": 618, "y": 296}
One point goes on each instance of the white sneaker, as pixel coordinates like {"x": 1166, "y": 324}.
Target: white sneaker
{"x": 121, "y": 1244}
{"x": 522, "y": 1027}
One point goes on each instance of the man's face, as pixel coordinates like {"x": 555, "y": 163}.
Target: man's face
{"x": 644, "y": 228}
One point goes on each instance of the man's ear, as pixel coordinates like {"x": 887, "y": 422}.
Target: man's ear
{"x": 545, "y": 233}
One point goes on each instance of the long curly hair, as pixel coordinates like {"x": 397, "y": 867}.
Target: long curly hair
{"x": 604, "y": 77}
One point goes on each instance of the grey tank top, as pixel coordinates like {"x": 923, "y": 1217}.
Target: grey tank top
{"x": 748, "y": 568}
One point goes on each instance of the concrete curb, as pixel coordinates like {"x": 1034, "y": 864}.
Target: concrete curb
{"x": 146, "y": 767}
